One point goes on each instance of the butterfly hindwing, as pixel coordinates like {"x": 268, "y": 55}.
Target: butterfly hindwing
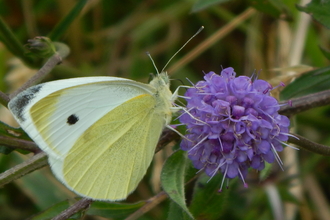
{"x": 131, "y": 131}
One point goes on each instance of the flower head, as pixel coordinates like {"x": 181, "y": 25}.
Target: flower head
{"x": 233, "y": 124}
{"x": 41, "y": 47}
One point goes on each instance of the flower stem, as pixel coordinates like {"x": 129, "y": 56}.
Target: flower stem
{"x": 304, "y": 103}
{"x": 61, "y": 52}
{"x": 304, "y": 143}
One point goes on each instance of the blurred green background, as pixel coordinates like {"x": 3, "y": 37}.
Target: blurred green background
{"x": 111, "y": 37}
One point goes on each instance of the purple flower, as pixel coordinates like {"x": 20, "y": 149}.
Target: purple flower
{"x": 232, "y": 124}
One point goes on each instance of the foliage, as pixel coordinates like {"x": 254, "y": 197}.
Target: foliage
{"x": 111, "y": 38}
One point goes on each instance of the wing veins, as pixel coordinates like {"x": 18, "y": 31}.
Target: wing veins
{"x": 104, "y": 149}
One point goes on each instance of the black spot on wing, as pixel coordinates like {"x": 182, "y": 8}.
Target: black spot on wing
{"x": 19, "y": 103}
{"x": 72, "y": 119}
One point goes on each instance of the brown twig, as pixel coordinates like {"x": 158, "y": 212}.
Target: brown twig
{"x": 4, "y": 98}
{"x": 167, "y": 137}
{"x": 305, "y": 103}
{"x": 19, "y": 144}
{"x": 78, "y": 206}
{"x": 45, "y": 69}
{"x": 304, "y": 143}
{"x": 62, "y": 51}
{"x": 28, "y": 166}
{"x": 150, "y": 203}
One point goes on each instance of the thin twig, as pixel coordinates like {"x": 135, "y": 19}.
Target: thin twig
{"x": 62, "y": 52}
{"x": 305, "y": 103}
{"x": 36, "y": 162}
{"x": 166, "y": 137}
{"x": 19, "y": 144}
{"x": 78, "y": 206}
{"x": 154, "y": 201}
{"x": 49, "y": 65}
{"x": 151, "y": 203}
{"x": 304, "y": 143}
{"x": 4, "y": 98}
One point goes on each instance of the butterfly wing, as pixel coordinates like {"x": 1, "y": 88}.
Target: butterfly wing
{"x": 55, "y": 114}
{"x": 100, "y": 133}
{"x": 111, "y": 157}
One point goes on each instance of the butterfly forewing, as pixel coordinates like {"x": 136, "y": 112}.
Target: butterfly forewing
{"x": 59, "y": 118}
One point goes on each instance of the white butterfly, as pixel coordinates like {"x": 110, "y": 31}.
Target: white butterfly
{"x": 100, "y": 133}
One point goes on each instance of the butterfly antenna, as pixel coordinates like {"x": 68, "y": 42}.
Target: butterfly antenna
{"x": 199, "y": 30}
{"x": 153, "y": 62}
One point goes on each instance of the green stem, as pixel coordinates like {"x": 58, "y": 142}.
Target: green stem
{"x": 13, "y": 44}
{"x": 62, "y": 51}
{"x": 304, "y": 143}
{"x": 64, "y": 24}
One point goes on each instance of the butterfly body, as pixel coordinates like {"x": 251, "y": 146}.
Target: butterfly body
{"x": 100, "y": 133}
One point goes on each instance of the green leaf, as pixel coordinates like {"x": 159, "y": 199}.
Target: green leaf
{"x": 311, "y": 82}
{"x": 203, "y": 4}
{"x": 190, "y": 172}
{"x": 325, "y": 52}
{"x": 172, "y": 179}
{"x": 64, "y": 24}
{"x": 319, "y": 10}
{"x": 39, "y": 186}
{"x": 176, "y": 212}
{"x": 52, "y": 211}
{"x": 113, "y": 210}
{"x": 273, "y": 8}
{"x": 5, "y": 150}
{"x": 266, "y": 171}
{"x": 10, "y": 134}
{"x": 13, "y": 44}
{"x": 8, "y": 131}
{"x": 207, "y": 202}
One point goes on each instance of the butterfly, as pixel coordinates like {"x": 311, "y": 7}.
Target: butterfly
{"x": 99, "y": 133}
